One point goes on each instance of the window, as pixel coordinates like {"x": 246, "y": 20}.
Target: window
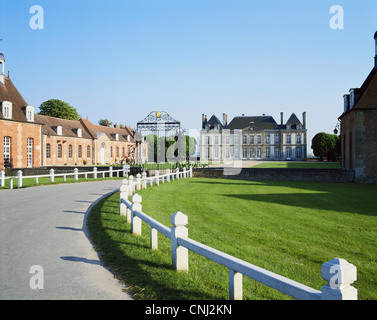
{"x": 252, "y": 153}
{"x": 244, "y": 139}
{"x": 59, "y": 150}
{"x": 29, "y": 113}
{"x": 79, "y": 151}
{"x": 208, "y": 139}
{"x": 79, "y": 132}
{"x": 88, "y": 151}
{"x": 267, "y": 139}
{"x": 70, "y": 151}
{"x": 268, "y": 152}
{"x": 298, "y": 138}
{"x": 236, "y": 139}
{"x": 288, "y": 139}
{"x": 259, "y": 139}
{"x": 289, "y": 152}
{"x": 227, "y": 153}
{"x": 259, "y": 153}
{"x": 48, "y": 150}
{"x": 7, "y": 148}
{"x": 277, "y": 153}
{"x": 117, "y": 152}
{"x": 251, "y": 139}
{"x": 298, "y": 153}
{"x": 29, "y": 151}
{"x": 226, "y": 139}
{"x": 111, "y": 152}
{"x": 277, "y": 138}
{"x": 216, "y": 139}
{"x": 123, "y": 153}
{"x": 216, "y": 153}
{"x": 7, "y": 109}
{"x": 244, "y": 153}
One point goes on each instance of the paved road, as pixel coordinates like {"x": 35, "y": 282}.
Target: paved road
{"x": 45, "y": 226}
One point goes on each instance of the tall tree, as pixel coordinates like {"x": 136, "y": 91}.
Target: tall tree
{"x": 58, "y": 109}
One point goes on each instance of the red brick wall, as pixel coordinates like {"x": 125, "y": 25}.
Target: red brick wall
{"x": 19, "y": 132}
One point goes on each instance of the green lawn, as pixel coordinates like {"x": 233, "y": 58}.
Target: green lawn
{"x": 289, "y": 228}
{"x": 299, "y": 165}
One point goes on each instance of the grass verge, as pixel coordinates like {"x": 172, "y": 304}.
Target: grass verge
{"x": 289, "y": 228}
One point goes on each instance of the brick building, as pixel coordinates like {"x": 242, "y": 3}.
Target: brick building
{"x": 359, "y": 128}
{"x": 20, "y": 135}
{"x": 29, "y": 140}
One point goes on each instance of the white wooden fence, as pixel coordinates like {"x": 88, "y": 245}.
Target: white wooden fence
{"x": 338, "y": 272}
{"x": 52, "y": 175}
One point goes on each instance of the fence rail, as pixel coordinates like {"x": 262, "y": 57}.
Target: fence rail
{"x": 52, "y": 175}
{"x": 338, "y": 272}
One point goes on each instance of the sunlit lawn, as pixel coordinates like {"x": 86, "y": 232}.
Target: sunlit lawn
{"x": 289, "y": 228}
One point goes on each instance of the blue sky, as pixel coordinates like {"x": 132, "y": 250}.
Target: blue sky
{"x": 121, "y": 59}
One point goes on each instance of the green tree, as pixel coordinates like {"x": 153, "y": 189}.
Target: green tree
{"x": 58, "y": 109}
{"x": 105, "y": 123}
{"x": 326, "y": 145}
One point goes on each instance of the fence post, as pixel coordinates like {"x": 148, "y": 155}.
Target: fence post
{"x": 131, "y": 184}
{"x": 76, "y": 174}
{"x": 143, "y": 179}
{"x": 2, "y": 178}
{"x": 19, "y": 179}
{"x": 136, "y": 221}
{"x": 123, "y": 195}
{"x": 168, "y": 175}
{"x": 110, "y": 171}
{"x": 190, "y": 173}
{"x": 10, "y": 183}
{"x": 184, "y": 173}
{"x": 52, "y": 175}
{"x": 340, "y": 274}
{"x": 177, "y": 173}
{"x": 138, "y": 181}
{"x": 179, "y": 230}
{"x": 235, "y": 285}
{"x": 157, "y": 175}
{"x": 95, "y": 172}
{"x": 154, "y": 239}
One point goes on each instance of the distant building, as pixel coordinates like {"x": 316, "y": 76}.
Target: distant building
{"x": 359, "y": 128}
{"x": 253, "y": 138}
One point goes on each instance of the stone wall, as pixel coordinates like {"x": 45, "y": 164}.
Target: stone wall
{"x": 271, "y": 174}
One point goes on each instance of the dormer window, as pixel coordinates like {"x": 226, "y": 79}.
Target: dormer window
{"x": 58, "y": 130}
{"x": 29, "y": 112}
{"x": 117, "y": 137}
{"x": 79, "y": 132}
{"x": 7, "y": 109}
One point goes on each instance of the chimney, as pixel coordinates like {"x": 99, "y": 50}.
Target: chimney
{"x": 304, "y": 120}
{"x": 281, "y": 118}
{"x": 2, "y": 68}
{"x": 204, "y": 120}
{"x": 375, "y": 57}
{"x": 225, "y": 120}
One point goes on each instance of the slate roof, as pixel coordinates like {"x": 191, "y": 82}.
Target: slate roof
{"x": 69, "y": 127}
{"x": 110, "y": 132}
{"x": 258, "y": 122}
{"x": 8, "y": 92}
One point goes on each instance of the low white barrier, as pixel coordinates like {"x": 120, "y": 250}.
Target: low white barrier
{"x": 338, "y": 272}
{"x": 52, "y": 175}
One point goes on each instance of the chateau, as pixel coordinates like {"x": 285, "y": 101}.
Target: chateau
{"x": 253, "y": 138}
{"x": 29, "y": 140}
